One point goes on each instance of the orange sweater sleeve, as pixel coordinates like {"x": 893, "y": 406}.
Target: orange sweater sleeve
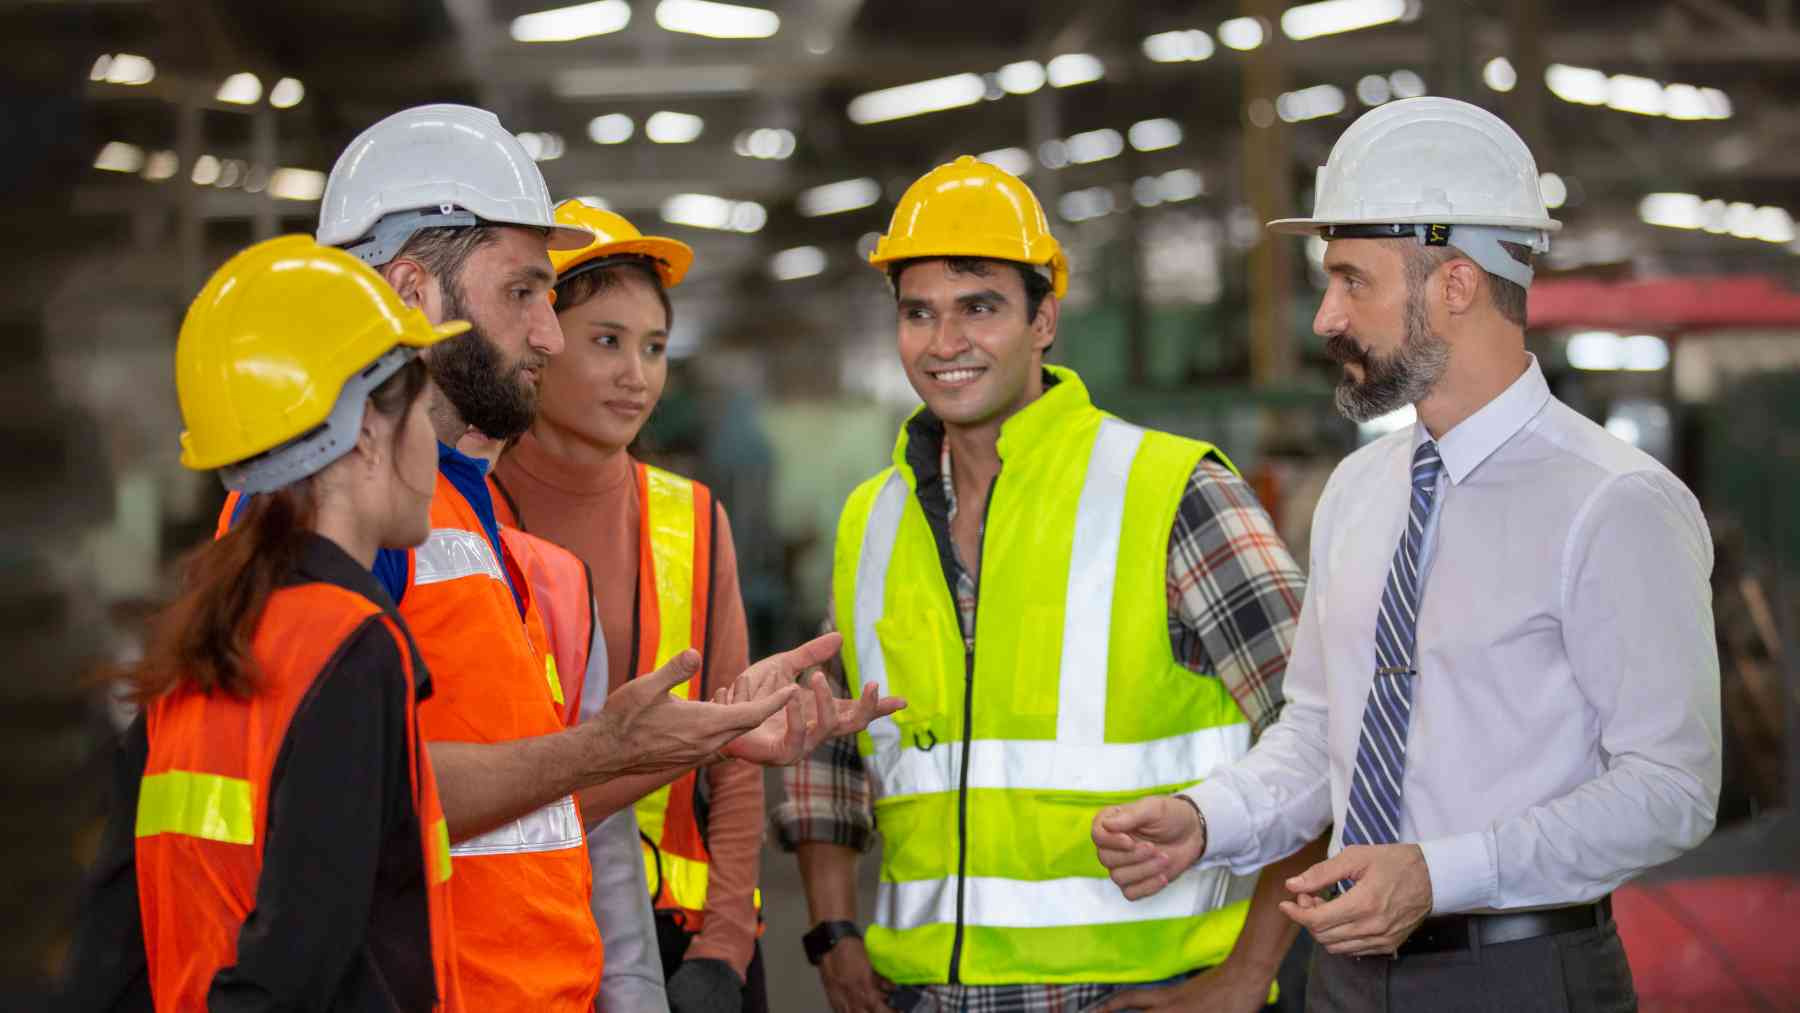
{"x": 735, "y": 829}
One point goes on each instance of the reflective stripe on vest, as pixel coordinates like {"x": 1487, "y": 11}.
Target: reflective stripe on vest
{"x": 450, "y": 553}
{"x": 551, "y": 828}
{"x": 563, "y": 593}
{"x": 207, "y": 806}
{"x": 1077, "y": 703}
{"x": 441, "y": 868}
{"x": 675, "y": 533}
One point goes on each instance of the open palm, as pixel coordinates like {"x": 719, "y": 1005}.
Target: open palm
{"x": 810, "y": 717}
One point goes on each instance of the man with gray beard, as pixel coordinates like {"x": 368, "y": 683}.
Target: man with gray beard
{"x": 1504, "y": 689}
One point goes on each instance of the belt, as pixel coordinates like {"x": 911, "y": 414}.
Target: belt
{"x": 1447, "y": 933}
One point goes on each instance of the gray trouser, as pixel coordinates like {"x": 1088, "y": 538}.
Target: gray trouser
{"x": 1570, "y": 972}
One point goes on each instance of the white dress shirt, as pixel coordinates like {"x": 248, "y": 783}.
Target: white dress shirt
{"x": 1565, "y": 719}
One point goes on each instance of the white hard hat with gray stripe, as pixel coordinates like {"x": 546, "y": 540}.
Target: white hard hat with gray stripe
{"x": 1444, "y": 171}
{"x": 433, "y": 166}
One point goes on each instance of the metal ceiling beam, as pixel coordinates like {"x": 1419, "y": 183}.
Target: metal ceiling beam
{"x": 603, "y": 62}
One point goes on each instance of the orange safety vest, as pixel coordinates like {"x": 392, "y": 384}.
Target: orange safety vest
{"x": 526, "y": 937}
{"x": 203, "y": 805}
{"x": 563, "y": 589}
{"x": 675, "y": 553}
{"x": 674, "y": 602}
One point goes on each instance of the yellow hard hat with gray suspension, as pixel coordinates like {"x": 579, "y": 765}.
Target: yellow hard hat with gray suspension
{"x": 616, "y": 238}
{"x": 969, "y": 208}
{"x": 278, "y": 354}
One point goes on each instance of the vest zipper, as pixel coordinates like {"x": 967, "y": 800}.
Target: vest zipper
{"x": 962, "y": 790}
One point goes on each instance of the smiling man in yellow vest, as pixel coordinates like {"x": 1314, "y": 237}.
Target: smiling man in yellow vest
{"x": 1079, "y": 611}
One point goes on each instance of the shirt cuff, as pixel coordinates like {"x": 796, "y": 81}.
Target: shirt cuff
{"x": 1464, "y": 874}
{"x": 1229, "y": 835}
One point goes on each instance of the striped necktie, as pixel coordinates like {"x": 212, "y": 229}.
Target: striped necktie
{"x": 1373, "y": 815}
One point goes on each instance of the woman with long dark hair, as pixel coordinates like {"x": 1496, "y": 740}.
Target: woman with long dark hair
{"x": 278, "y": 841}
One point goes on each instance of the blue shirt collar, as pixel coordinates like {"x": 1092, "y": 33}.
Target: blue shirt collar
{"x": 469, "y": 476}
{"x": 452, "y": 460}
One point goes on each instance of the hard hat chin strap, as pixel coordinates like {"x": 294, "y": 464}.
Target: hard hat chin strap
{"x": 1480, "y": 243}
{"x": 391, "y": 233}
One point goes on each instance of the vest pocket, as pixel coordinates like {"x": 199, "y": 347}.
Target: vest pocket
{"x": 922, "y": 654}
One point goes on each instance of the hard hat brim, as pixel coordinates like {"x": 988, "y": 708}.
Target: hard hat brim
{"x": 670, "y": 257}
{"x": 569, "y": 237}
{"x": 1057, "y": 265}
{"x": 1311, "y": 226}
{"x": 425, "y": 337}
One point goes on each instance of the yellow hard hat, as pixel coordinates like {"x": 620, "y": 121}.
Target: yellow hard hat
{"x": 969, "y": 208}
{"x": 616, "y": 237}
{"x": 269, "y": 345}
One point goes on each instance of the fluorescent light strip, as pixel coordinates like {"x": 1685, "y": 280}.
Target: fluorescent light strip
{"x": 1331, "y": 17}
{"x": 1625, "y": 93}
{"x": 613, "y": 128}
{"x": 673, "y": 128}
{"x": 1014, "y": 160}
{"x": 287, "y": 93}
{"x": 1310, "y": 103}
{"x": 716, "y": 20}
{"x": 705, "y": 211}
{"x": 1738, "y": 219}
{"x": 1071, "y": 69}
{"x": 297, "y": 184}
{"x": 918, "y": 98}
{"x": 241, "y": 89}
{"x": 1189, "y": 46}
{"x": 566, "y": 24}
{"x": 836, "y": 198}
{"x": 127, "y": 69}
{"x": 1242, "y": 34}
{"x": 117, "y": 156}
{"x": 1154, "y": 135}
{"x": 799, "y": 262}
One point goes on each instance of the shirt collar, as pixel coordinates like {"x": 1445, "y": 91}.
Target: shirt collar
{"x": 920, "y": 455}
{"x": 323, "y": 561}
{"x": 451, "y": 460}
{"x": 1474, "y": 439}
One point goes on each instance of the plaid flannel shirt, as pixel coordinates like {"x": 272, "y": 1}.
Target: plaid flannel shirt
{"x": 1234, "y": 601}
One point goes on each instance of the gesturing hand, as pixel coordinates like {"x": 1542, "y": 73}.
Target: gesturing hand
{"x": 1391, "y": 897}
{"x": 1146, "y": 844}
{"x": 653, "y": 731}
{"x": 811, "y": 717}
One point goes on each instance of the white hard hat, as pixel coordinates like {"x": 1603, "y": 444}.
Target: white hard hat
{"x": 1423, "y": 162}
{"x": 433, "y": 166}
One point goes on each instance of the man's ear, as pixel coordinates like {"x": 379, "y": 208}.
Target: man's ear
{"x": 1043, "y": 326}
{"x": 410, "y": 280}
{"x": 1462, "y": 281}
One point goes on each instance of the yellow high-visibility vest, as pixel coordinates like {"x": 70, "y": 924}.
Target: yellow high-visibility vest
{"x": 988, "y": 782}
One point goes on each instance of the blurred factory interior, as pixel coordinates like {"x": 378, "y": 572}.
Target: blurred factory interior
{"x": 148, "y": 140}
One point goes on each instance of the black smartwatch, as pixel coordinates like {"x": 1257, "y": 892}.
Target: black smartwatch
{"x": 826, "y": 935}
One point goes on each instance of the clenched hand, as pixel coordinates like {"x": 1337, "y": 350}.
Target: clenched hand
{"x": 1146, "y": 844}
